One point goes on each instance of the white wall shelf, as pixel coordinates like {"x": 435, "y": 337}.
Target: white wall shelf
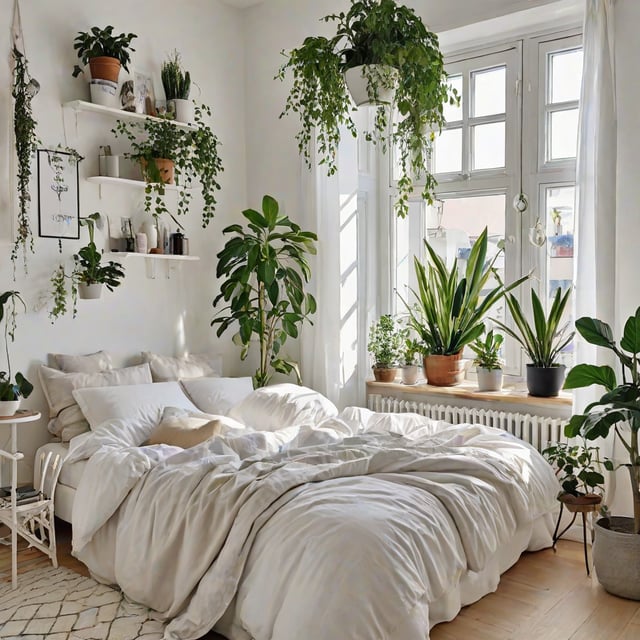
{"x": 126, "y": 182}
{"x": 90, "y": 107}
{"x": 153, "y": 259}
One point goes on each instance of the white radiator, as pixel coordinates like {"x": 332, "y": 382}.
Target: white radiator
{"x": 536, "y": 430}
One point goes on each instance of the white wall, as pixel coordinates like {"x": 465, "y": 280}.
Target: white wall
{"x": 161, "y": 315}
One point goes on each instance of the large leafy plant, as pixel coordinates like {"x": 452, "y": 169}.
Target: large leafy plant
{"x": 618, "y": 409}
{"x": 372, "y": 32}
{"x": 547, "y": 336}
{"x": 102, "y": 42}
{"x": 450, "y": 306}
{"x": 194, "y": 151}
{"x": 266, "y": 268}
{"x": 11, "y": 388}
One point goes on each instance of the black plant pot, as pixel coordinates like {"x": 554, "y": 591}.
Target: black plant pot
{"x": 545, "y": 382}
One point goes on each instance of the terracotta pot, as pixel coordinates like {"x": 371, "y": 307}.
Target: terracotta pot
{"x": 545, "y": 382}
{"x": 444, "y": 371}
{"x": 89, "y": 291}
{"x": 384, "y": 374}
{"x": 165, "y": 166}
{"x": 105, "y": 68}
{"x": 616, "y": 556}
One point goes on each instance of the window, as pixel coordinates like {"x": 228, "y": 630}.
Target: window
{"x": 514, "y": 131}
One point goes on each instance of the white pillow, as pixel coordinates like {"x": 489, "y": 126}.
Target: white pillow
{"x": 165, "y": 368}
{"x": 90, "y": 363}
{"x": 140, "y": 405}
{"x": 217, "y": 395}
{"x": 58, "y": 387}
{"x": 283, "y": 405}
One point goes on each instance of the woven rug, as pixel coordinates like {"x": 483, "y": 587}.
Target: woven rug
{"x": 58, "y": 604}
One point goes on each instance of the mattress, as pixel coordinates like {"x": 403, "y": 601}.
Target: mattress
{"x": 68, "y": 481}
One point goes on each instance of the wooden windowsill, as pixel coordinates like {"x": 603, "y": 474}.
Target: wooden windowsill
{"x": 469, "y": 391}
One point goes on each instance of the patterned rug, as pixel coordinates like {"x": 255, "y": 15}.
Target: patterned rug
{"x": 58, "y": 604}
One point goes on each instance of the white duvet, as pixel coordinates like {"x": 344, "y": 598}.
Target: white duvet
{"x": 348, "y": 529}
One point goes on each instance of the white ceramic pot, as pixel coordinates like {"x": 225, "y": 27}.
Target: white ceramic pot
{"x": 184, "y": 111}
{"x": 357, "y": 84}
{"x": 105, "y": 93}
{"x": 489, "y": 379}
{"x": 89, "y": 291}
{"x": 9, "y": 407}
{"x": 410, "y": 373}
{"x": 151, "y": 231}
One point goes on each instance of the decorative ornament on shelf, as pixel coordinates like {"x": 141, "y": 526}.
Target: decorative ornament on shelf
{"x": 390, "y": 48}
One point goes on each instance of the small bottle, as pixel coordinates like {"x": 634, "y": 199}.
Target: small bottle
{"x": 166, "y": 247}
{"x": 176, "y": 244}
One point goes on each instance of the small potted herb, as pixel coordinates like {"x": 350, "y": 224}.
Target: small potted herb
{"x": 410, "y": 366}
{"x": 488, "y": 361}
{"x": 104, "y": 52}
{"x": 177, "y": 85}
{"x": 385, "y": 345}
{"x": 88, "y": 276}
{"x": 11, "y": 389}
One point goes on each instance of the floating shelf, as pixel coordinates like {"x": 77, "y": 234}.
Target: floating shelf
{"x": 152, "y": 256}
{"x": 126, "y": 182}
{"x": 82, "y": 105}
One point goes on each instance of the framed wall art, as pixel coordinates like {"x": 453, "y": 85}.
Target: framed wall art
{"x": 58, "y": 194}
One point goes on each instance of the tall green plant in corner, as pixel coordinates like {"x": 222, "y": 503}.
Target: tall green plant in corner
{"x": 24, "y": 89}
{"x": 266, "y": 268}
{"x": 372, "y": 32}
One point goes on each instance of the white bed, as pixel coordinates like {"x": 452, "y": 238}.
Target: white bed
{"x": 362, "y": 525}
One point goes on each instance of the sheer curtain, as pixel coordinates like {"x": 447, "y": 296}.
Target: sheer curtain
{"x": 596, "y": 190}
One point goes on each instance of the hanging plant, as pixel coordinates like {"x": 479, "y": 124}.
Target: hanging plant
{"x": 407, "y": 58}
{"x": 193, "y": 152}
{"x": 23, "y": 91}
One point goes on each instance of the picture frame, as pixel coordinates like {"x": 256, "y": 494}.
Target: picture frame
{"x": 58, "y": 194}
{"x": 144, "y": 94}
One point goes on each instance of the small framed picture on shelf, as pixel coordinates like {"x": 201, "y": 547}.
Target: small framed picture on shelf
{"x": 145, "y": 99}
{"x": 58, "y": 194}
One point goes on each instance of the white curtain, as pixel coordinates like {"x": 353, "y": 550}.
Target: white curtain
{"x": 320, "y": 357}
{"x": 595, "y": 275}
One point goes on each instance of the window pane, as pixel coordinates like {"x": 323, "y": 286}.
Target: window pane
{"x": 488, "y": 145}
{"x": 566, "y": 75}
{"x": 564, "y": 134}
{"x": 489, "y": 91}
{"x": 404, "y": 260}
{"x": 452, "y": 113}
{"x": 559, "y": 205}
{"x": 448, "y": 151}
{"x": 463, "y": 219}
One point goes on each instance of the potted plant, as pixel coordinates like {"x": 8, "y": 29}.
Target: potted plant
{"x": 386, "y": 45}
{"x": 177, "y": 85}
{"x": 616, "y": 550}
{"x": 165, "y": 150}
{"x": 265, "y": 265}
{"x": 543, "y": 341}
{"x": 488, "y": 361}
{"x": 104, "y": 52}
{"x": 579, "y": 470}
{"x": 24, "y": 89}
{"x": 385, "y": 345}
{"x": 88, "y": 276}
{"x": 11, "y": 389}
{"x": 450, "y": 306}
{"x": 410, "y": 367}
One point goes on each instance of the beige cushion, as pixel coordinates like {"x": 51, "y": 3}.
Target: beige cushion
{"x": 67, "y": 418}
{"x": 190, "y": 429}
{"x": 167, "y": 368}
{"x": 90, "y": 363}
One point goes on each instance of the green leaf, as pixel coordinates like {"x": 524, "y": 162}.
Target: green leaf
{"x": 631, "y": 337}
{"x": 595, "y": 332}
{"x": 270, "y": 210}
{"x": 584, "y": 375}
{"x": 256, "y": 218}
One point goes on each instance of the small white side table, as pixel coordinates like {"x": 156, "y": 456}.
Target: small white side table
{"x": 9, "y": 516}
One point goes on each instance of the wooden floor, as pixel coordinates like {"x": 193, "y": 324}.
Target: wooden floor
{"x": 546, "y": 596}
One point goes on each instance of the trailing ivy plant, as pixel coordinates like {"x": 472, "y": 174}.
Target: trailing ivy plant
{"x": 372, "y": 32}
{"x": 266, "y": 268}
{"x": 194, "y": 151}
{"x": 24, "y": 90}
